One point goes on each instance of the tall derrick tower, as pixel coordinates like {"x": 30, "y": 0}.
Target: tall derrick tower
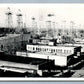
{"x": 64, "y": 28}
{"x": 72, "y": 28}
{"x": 53, "y": 24}
{"x": 34, "y": 25}
{"x": 19, "y": 21}
{"x": 49, "y": 24}
{"x": 9, "y": 21}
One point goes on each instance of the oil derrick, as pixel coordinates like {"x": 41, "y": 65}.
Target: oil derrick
{"x": 72, "y": 28}
{"x": 34, "y": 25}
{"x": 56, "y": 28}
{"x": 24, "y": 23}
{"x": 19, "y": 21}
{"x": 64, "y": 28}
{"x": 49, "y": 25}
{"x": 53, "y": 24}
{"x": 78, "y": 31}
{"x": 41, "y": 18}
{"x": 9, "y": 20}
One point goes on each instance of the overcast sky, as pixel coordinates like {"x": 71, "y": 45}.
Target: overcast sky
{"x": 68, "y": 12}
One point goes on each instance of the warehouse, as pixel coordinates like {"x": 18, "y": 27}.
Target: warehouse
{"x": 24, "y": 64}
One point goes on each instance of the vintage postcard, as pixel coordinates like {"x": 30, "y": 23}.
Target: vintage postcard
{"x": 41, "y": 42}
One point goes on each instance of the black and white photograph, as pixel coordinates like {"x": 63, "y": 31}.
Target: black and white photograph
{"x": 42, "y": 41}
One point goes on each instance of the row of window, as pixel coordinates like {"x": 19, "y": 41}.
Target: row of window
{"x": 49, "y": 50}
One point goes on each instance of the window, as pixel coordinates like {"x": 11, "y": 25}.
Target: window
{"x": 69, "y": 51}
{"x": 54, "y": 50}
{"x": 64, "y": 51}
{"x": 45, "y": 49}
{"x": 58, "y": 50}
{"x": 61, "y": 50}
{"x": 51, "y": 50}
{"x": 33, "y": 48}
{"x": 36, "y": 48}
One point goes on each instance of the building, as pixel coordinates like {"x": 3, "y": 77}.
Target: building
{"x": 60, "y": 54}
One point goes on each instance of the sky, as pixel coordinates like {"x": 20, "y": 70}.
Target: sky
{"x": 62, "y": 12}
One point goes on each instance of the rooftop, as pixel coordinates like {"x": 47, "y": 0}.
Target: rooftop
{"x": 57, "y": 46}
